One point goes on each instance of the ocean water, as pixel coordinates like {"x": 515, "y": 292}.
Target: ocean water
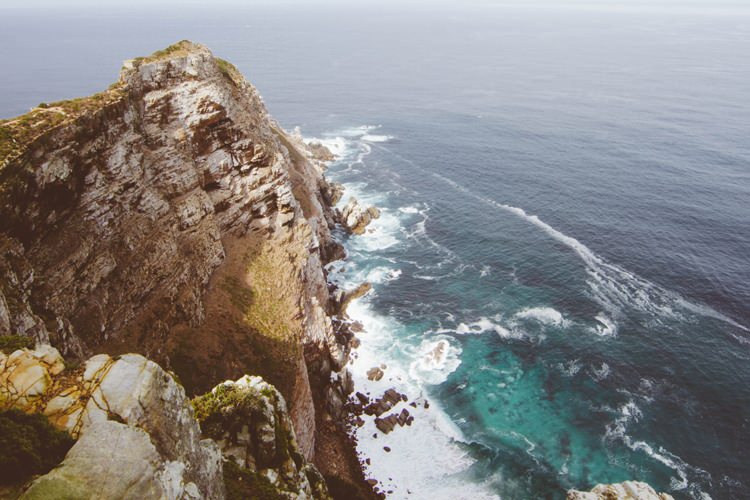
{"x": 562, "y": 264}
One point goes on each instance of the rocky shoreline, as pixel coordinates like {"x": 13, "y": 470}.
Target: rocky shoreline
{"x": 165, "y": 301}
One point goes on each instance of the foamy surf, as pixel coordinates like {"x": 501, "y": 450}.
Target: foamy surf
{"x": 613, "y": 287}
{"x": 543, "y": 315}
{"x": 426, "y": 459}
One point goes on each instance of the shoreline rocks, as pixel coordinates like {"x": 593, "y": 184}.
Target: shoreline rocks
{"x": 627, "y": 490}
{"x": 355, "y": 217}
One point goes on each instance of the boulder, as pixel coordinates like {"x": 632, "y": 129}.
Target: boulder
{"x": 628, "y": 490}
{"x": 26, "y": 375}
{"x": 147, "y": 405}
{"x": 375, "y": 373}
{"x": 356, "y": 217}
{"x": 250, "y": 421}
{"x": 113, "y": 460}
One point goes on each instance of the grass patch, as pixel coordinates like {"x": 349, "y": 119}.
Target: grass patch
{"x": 275, "y": 286}
{"x": 229, "y": 70}
{"x": 10, "y": 343}
{"x": 240, "y": 296}
{"x": 17, "y": 133}
{"x": 181, "y": 48}
{"x": 29, "y": 445}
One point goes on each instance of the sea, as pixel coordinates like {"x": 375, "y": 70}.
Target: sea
{"x": 561, "y": 268}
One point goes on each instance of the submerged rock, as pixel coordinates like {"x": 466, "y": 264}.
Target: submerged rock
{"x": 627, "y": 490}
{"x": 375, "y": 373}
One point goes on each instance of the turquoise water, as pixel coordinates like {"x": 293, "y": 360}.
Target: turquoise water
{"x": 565, "y": 211}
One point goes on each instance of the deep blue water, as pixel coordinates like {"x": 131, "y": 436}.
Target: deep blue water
{"x": 566, "y": 204}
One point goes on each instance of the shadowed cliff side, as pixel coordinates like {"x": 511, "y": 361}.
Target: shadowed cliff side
{"x": 171, "y": 216}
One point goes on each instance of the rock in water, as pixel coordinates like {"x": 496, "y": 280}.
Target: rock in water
{"x": 628, "y": 490}
{"x": 356, "y": 217}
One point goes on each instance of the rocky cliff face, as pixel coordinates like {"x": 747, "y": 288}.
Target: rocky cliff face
{"x": 171, "y": 216}
{"x": 138, "y": 436}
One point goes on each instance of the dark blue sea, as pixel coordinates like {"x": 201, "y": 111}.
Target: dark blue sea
{"x": 562, "y": 264}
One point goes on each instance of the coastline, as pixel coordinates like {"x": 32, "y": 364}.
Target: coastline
{"x": 405, "y": 443}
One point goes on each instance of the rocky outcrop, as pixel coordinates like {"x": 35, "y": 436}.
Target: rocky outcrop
{"x": 114, "y": 460}
{"x": 135, "y": 426}
{"x": 250, "y": 422}
{"x": 170, "y": 215}
{"x": 355, "y": 217}
{"x": 627, "y": 490}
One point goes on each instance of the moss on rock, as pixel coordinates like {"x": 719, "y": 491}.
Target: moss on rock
{"x": 29, "y": 445}
{"x": 10, "y": 343}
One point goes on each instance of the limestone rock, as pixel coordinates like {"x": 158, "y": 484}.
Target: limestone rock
{"x": 113, "y": 460}
{"x": 130, "y": 390}
{"x": 627, "y": 490}
{"x": 26, "y": 375}
{"x": 250, "y": 421}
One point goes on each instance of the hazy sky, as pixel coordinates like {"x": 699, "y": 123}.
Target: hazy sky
{"x": 209, "y": 3}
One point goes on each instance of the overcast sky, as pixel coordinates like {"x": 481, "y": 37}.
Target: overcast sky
{"x": 210, "y": 3}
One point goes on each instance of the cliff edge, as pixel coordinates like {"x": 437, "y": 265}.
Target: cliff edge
{"x": 171, "y": 216}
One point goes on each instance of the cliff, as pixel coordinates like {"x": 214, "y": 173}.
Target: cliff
{"x": 171, "y": 216}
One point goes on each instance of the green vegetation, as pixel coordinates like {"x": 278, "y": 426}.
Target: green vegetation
{"x": 17, "y": 133}
{"x": 275, "y": 288}
{"x": 229, "y": 70}
{"x": 180, "y": 48}
{"x": 224, "y": 409}
{"x": 29, "y": 445}
{"x": 240, "y": 296}
{"x": 10, "y": 343}
{"x": 242, "y": 483}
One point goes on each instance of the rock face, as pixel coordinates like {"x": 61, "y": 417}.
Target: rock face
{"x": 171, "y": 216}
{"x": 135, "y": 426}
{"x": 356, "y": 217}
{"x": 628, "y": 490}
{"x": 249, "y": 420}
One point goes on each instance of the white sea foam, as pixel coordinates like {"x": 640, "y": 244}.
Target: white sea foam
{"x": 484, "y": 324}
{"x": 570, "y": 368}
{"x": 601, "y": 373}
{"x": 617, "y": 430}
{"x": 436, "y": 358}
{"x": 409, "y": 210}
{"x": 425, "y": 460}
{"x": 607, "y": 327}
{"x": 381, "y": 233}
{"x": 543, "y": 315}
{"x": 377, "y": 138}
{"x": 382, "y": 274}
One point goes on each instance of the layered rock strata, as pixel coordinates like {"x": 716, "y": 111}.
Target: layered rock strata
{"x": 170, "y": 215}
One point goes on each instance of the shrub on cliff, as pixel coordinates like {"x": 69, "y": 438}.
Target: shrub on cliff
{"x": 29, "y": 445}
{"x": 10, "y": 343}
